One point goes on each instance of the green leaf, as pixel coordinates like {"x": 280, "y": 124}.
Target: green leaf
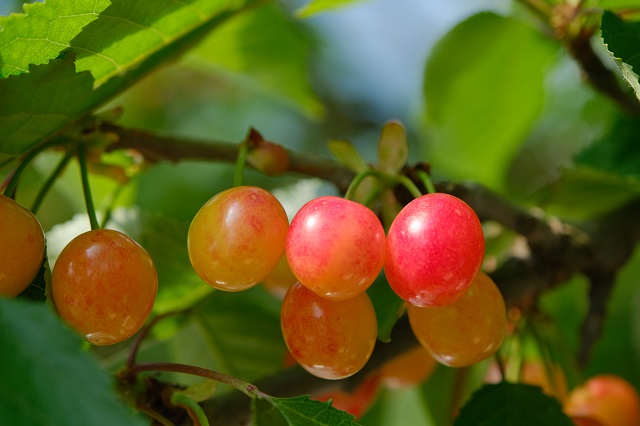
{"x": 42, "y": 368}
{"x": 124, "y": 44}
{"x": 57, "y": 96}
{"x": 393, "y": 149}
{"x": 388, "y": 306}
{"x": 317, "y": 6}
{"x": 484, "y": 90}
{"x": 617, "y": 152}
{"x": 237, "y": 333}
{"x": 269, "y": 48}
{"x": 583, "y": 192}
{"x": 623, "y": 41}
{"x": 511, "y": 404}
{"x": 298, "y": 411}
{"x": 404, "y": 407}
{"x": 347, "y": 154}
{"x": 42, "y": 32}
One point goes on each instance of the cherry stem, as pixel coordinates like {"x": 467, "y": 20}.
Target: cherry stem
{"x": 91, "y": 210}
{"x": 247, "y": 388}
{"x": 357, "y": 180}
{"x": 194, "y": 409}
{"x": 62, "y": 165}
{"x": 142, "y": 334}
{"x": 243, "y": 151}
{"x": 408, "y": 183}
{"x": 427, "y": 182}
{"x": 13, "y": 183}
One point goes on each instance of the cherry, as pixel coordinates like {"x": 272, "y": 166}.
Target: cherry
{"x": 335, "y": 247}
{"x": 331, "y": 339}
{"x": 104, "y": 285}
{"x": 22, "y": 247}
{"x": 237, "y": 238}
{"x": 435, "y": 247}
{"x": 609, "y": 399}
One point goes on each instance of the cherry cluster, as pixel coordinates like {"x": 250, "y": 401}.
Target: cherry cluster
{"x": 335, "y": 249}
{"x": 103, "y": 284}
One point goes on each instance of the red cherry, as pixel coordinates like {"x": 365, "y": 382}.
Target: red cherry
{"x": 435, "y": 248}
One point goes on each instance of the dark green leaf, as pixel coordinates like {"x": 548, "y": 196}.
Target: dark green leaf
{"x": 617, "y": 152}
{"x": 623, "y": 41}
{"x": 388, "y": 306}
{"x": 46, "y": 378}
{"x": 511, "y": 404}
{"x": 484, "y": 89}
{"x": 583, "y": 192}
{"x": 57, "y": 96}
{"x": 298, "y": 411}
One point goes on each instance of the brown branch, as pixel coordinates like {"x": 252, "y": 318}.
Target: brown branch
{"x": 157, "y": 148}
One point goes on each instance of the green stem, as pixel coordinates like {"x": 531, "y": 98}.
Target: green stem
{"x": 427, "y": 182}
{"x": 408, "y": 183}
{"x": 357, "y": 180}
{"x": 247, "y": 388}
{"x": 13, "y": 183}
{"x": 50, "y": 181}
{"x": 91, "y": 210}
{"x": 243, "y": 151}
{"x": 194, "y": 409}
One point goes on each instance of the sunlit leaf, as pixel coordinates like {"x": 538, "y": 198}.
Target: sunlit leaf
{"x": 317, "y": 6}
{"x": 484, "y": 90}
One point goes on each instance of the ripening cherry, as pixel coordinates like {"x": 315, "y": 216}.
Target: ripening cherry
{"x": 21, "y": 247}
{"x": 409, "y": 369}
{"x": 331, "y": 339}
{"x": 278, "y": 281}
{"x": 466, "y": 331}
{"x": 435, "y": 247}
{"x": 335, "y": 247}
{"x": 357, "y": 401}
{"x": 237, "y": 238}
{"x": 609, "y": 399}
{"x": 104, "y": 285}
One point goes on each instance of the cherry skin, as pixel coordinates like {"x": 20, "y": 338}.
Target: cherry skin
{"x": 237, "y": 238}
{"x": 466, "y": 331}
{"x": 21, "y": 247}
{"x": 335, "y": 247}
{"x": 104, "y": 285}
{"x": 357, "y": 401}
{"x": 609, "y": 399}
{"x": 435, "y": 247}
{"x": 331, "y": 339}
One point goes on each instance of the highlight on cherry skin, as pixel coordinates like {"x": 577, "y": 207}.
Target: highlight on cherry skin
{"x": 104, "y": 286}
{"x": 335, "y": 247}
{"x": 331, "y": 339}
{"x": 466, "y": 331}
{"x": 237, "y": 238}
{"x": 22, "y": 247}
{"x": 435, "y": 247}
